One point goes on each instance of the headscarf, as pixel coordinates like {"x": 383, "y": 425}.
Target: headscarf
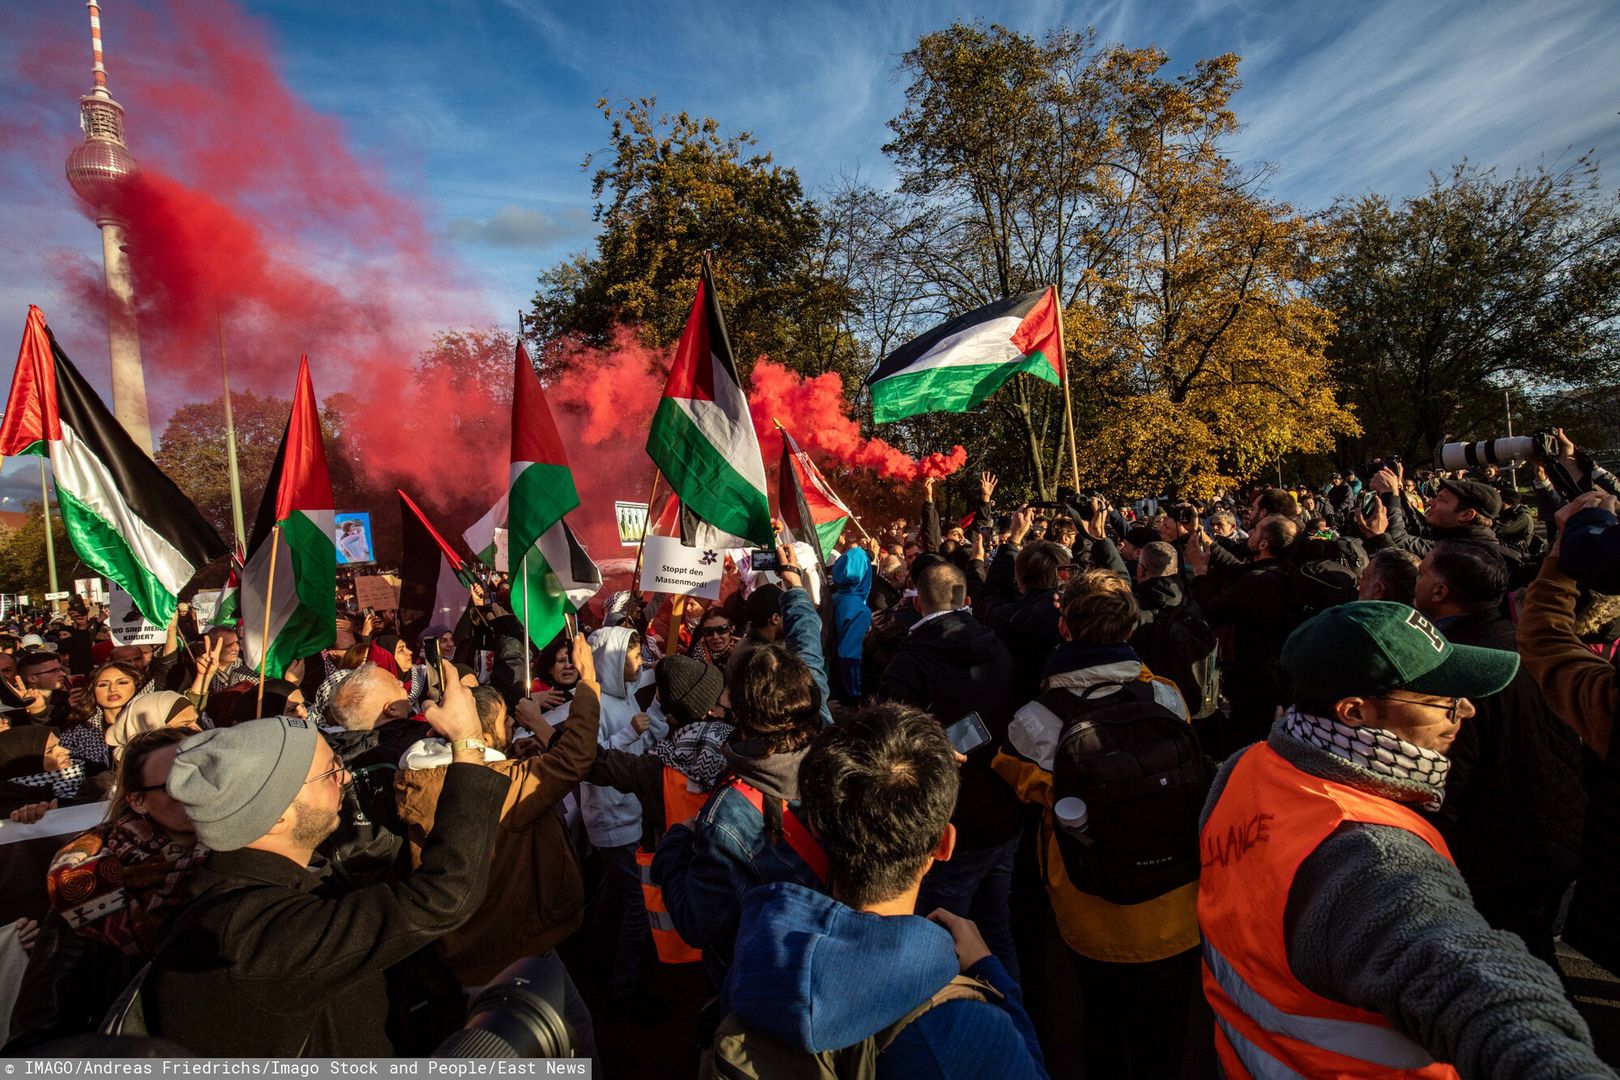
{"x": 22, "y": 750}
{"x": 147, "y": 712}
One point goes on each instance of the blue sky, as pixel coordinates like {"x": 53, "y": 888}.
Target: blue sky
{"x": 484, "y": 109}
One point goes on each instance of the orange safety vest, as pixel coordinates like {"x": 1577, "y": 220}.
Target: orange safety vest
{"x": 680, "y": 803}
{"x": 1268, "y": 1026}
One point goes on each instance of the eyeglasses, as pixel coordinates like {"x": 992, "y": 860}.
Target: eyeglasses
{"x": 329, "y": 772}
{"x": 1452, "y": 709}
{"x": 724, "y": 628}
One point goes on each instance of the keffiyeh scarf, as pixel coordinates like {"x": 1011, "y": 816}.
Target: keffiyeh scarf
{"x": 694, "y": 750}
{"x": 63, "y": 783}
{"x": 1380, "y": 752}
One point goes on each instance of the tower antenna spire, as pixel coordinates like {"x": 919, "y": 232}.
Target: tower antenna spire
{"x": 99, "y": 170}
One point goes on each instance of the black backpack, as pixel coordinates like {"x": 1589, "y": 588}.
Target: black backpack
{"x": 1143, "y": 776}
{"x": 1183, "y": 648}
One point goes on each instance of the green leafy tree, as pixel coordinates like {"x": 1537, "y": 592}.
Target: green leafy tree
{"x": 23, "y": 568}
{"x": 1480, "y": 284}
{"x": 669, "y": 189}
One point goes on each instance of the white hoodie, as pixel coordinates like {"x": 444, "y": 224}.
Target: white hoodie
{"x": 612, "y": 817}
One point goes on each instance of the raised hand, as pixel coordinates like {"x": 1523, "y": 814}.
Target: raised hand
{"x": 987, "y": 485}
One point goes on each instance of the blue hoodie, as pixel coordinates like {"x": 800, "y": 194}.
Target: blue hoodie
{"x": 851, "y": 577}
{"x": 816, "y": 975}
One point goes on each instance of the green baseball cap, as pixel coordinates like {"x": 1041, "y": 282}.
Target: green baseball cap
{"x": 1370, "y": 647}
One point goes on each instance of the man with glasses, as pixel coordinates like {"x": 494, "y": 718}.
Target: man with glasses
{"x": 44, "y": 686}
{"x": 267, "y": 966}
{"x": 1338, "y": 936}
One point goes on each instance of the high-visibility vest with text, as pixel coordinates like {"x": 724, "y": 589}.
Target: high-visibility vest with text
{"x": 1268, "y": 1026}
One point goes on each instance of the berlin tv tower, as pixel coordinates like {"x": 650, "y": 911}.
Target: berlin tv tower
{"x": 98, "y": 168}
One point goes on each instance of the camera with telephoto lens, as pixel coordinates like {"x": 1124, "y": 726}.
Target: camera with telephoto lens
{"x": 520, "y": 1014}
{"x": 1540, "y": 446}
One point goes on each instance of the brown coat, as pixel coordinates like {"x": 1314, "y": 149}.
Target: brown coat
{"x": 536, "y": 897}
{"x": 1580, "y": 686}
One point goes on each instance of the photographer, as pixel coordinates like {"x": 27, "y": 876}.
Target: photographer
{"x": 1583, "y": 689}
{"x": 1460, "y": 510}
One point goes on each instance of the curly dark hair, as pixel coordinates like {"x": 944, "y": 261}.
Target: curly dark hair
{"x": 879, "y": 788}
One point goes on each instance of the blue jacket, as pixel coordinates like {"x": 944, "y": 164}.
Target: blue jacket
{"x": 851, "y": 577}
{"x": 817, "y": 975}
{"x": 704, "y": 870}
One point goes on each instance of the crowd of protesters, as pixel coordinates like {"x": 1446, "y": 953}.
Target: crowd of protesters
{"x": 1300, "y": 782}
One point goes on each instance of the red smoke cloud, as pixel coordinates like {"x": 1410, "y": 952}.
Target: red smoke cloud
{"x": 816, "y": 414}
{"x": 254, "y": 212}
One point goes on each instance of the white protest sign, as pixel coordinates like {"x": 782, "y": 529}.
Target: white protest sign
{"x": 22, "y": 599}
{"x": 632, "y": 522}
{"x": 204, "y": 606}
{"x": 128, "y": 625}
{"x": 57, "y": 595}
{"x": 667, "y": 567}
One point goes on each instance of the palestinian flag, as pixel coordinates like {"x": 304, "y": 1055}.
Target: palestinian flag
{"x": 809, "y": 507}
{"x": 125, "y": 518}
{"x": 702, "y": 437}
{"x": 230, "y": 597}
{"x": 955, "y": 366}
{"x": 297, "y": 507}
{"x": 486, "y": 538}
{"x": 557, "y": 579}
{"x": 433, "y": 580}
{"x": 541, "y": 492}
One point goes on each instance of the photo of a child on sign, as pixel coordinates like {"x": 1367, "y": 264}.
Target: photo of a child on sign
{"x": 353, "y": 538}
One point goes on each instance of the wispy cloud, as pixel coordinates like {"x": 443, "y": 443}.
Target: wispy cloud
{"x": 521, "y": 229}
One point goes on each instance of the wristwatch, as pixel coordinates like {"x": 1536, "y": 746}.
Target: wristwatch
{"x": 468, "y": 744}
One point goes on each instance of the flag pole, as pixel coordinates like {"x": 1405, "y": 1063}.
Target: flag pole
{"x": 269, "y": 593}
{"x": 45, "y": 515}
{"x": 230, "y": 439}
{"x": 635, "y": 580}
{"x": 1068, "y": 400}
{"x": 528, "y": 646}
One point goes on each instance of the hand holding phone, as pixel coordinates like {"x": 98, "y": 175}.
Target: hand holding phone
{"x": 435, "y": 675}
{"x": 968, "y": 733}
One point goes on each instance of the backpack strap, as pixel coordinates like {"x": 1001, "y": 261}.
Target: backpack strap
{"x": 798, "y": 836}
{"x": 960, "y": 988}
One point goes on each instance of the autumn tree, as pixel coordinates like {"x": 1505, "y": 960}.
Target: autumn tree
{"x": 23, "y": 568}
{"x": 670, "y": 188}
{"x": 1480, "y": 284}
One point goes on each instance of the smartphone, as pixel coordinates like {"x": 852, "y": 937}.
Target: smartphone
{"x": 435, "y": 677}
{"x": 968, "y": 733}
{"x": 764, "y": 559}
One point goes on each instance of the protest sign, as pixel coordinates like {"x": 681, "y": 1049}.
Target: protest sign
{"x": 632, "y": 522}
{"x": 127, "y": 625}
{"x": 204, "y": 606}
{"x": 380, "y": 592}
{"x": 668, "y": 567}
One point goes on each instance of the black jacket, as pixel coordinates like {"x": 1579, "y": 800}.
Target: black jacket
{"x": 1253, "y": 608}
{"x": 1419, "y": 537}
{"x": 1515, "y": 800}
{"x": 953, "y": 665}
{"x": 260, "y": 972}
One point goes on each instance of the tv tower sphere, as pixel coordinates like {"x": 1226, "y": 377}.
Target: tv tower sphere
{"x": 97, "y": 169}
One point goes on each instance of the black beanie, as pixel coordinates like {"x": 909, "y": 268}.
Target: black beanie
{"x": 687, "y": 688}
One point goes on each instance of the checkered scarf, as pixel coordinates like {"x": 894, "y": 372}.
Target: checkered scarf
{"x": 63, "y": 783}
{"x": 695, "y": 751}
{"x": 1376, "y": 750}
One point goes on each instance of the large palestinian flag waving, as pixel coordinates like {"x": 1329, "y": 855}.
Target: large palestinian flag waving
{"x": 125, "y": 518}
{"x": 702, "y": 437}
{"x": 297, "y": 507}
{"x": 955, "y": 366}
{"x": 810, "y": 508}
{"x": 549, "y": 567}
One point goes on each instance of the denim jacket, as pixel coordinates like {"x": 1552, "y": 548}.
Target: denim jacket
{"x": 705, "y": 868}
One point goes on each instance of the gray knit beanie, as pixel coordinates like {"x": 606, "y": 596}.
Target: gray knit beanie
{"x": 236, "y": 782}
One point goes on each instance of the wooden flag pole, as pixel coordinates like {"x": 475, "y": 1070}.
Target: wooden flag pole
{"x": 1068, "y": 400}
{"x": 635, "y": 578}
{"x": 269, "y": 594}
{"x": 528, "y": 646}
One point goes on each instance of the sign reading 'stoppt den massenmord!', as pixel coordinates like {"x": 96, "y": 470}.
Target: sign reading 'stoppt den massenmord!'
{"x": 126, "y": 623}
{"x": 669, "y": 567}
